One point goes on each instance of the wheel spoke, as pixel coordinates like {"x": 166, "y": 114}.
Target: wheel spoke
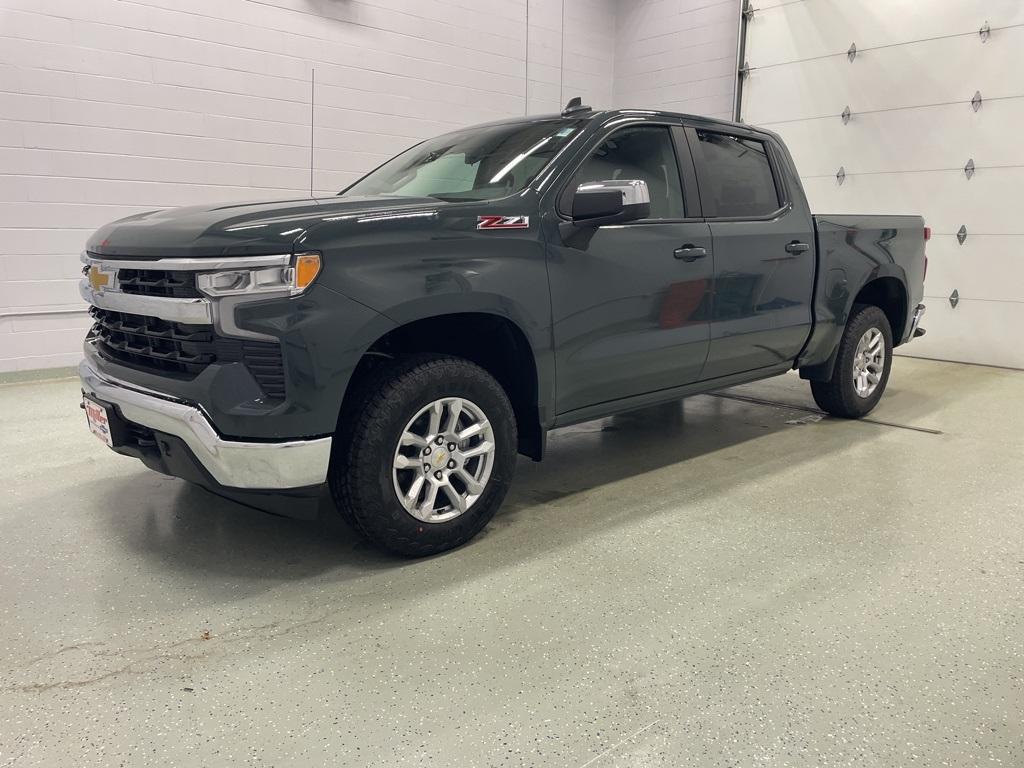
{"x": 457, "y": 499}
{"x": 404, "y": 462}
{"x": 409, "y": 500}
{"x": 411, "y": 438}
{"x": 426, "y": 508}
{"x": 454, "y": 411}
{"x": 479, "y": 449}
{"x": 473, "y": 430}
{"x": 435, "y": 418}
{"x": 472, "y": 485}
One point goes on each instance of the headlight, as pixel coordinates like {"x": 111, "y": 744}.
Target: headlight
{"x": 293, "y": 279}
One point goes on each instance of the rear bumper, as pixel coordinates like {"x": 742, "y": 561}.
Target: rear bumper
{"x": 915, "y": 323}
{"x": 230, "y": 464}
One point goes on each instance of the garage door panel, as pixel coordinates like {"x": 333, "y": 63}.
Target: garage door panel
{"x": 911, "y": 131}
{"x": 800, "y": 31}
{"x": 989, "y": 267}
{"x": 973, "y": 332}
{"x": 934, "y": 72}
{"x": 988, "y": 203}
{"x": 910, "y": 139}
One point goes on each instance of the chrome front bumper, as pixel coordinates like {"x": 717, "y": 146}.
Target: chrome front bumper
{"x": 233, "y": 464}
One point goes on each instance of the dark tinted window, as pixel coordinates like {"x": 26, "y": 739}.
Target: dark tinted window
{"x": 639, "y": 152}
{"x": 739, "y": 175}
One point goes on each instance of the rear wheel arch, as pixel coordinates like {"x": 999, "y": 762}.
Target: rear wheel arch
{"x": 494, "y": 342}
{"x": 889, "y": 294}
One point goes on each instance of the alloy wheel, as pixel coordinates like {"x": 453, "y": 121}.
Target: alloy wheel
{"x": 869, "y": 362}
{"x": 443, "y": 460}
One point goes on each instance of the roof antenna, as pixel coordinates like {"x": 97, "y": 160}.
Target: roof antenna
{"x": 575, "y": 105}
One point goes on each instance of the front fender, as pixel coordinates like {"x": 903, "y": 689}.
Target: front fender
{"x": 418, "y": 268}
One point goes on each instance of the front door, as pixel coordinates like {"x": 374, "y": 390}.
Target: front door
{"x": 631, "y": 302}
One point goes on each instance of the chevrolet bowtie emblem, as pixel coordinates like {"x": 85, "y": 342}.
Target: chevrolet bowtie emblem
{"x": 98, "y": 279}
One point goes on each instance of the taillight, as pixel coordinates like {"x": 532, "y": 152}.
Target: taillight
{"x": 927, "y": 234}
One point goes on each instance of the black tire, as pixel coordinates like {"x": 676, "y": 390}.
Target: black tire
{"x": 360, "y": 475}
{"x": 838, "y": 396}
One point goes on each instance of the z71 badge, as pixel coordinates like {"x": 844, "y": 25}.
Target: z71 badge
{"x": 502, "y": 222}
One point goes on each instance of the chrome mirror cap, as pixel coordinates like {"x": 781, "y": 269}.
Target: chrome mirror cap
{"x": 613, "y": 201}
{"x": 634, "y": 191}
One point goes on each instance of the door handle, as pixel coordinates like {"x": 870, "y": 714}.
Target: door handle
{"x": 797, "y": 247}
{"x": 690, "y": 252}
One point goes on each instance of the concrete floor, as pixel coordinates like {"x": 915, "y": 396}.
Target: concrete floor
{"x": 703, "y": 584}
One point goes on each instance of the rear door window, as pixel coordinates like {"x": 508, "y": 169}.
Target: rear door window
{"x": 737, "y": 175}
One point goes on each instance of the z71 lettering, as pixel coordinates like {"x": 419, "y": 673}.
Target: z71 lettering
{"x": 502, "y": 222}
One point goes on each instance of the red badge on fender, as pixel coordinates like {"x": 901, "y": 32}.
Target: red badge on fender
{"x": 502, "y": 222}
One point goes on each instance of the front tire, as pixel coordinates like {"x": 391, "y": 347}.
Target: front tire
{"x": 428, "y": 457}
{"x": 862, "y": 366}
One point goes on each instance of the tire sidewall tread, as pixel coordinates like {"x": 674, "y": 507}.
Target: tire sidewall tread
{"x": 838, "y": 396}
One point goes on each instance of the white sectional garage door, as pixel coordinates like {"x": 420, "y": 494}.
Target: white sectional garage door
{"x": 911, "y": 131}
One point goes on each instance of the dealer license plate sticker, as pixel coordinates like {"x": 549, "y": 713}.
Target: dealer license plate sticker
{"x": 98, "y": 420}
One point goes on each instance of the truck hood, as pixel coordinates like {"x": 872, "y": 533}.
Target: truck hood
{"x": 236, "y": 229}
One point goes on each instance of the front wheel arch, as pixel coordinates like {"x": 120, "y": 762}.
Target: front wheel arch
{"x": 491, "y": 341}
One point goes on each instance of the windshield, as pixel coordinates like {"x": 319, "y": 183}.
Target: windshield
{"x": 474, "y": 164}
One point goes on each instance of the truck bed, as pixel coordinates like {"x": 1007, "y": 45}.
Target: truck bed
{"x": 854, "y": 250}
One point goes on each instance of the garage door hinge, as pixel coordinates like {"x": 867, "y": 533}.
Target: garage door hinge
{"x": 745, "y": 69}
{"x": 748, "y": 10}
{"x": 961, "y": 234}
{"x": 846, "y": 115}
{"x": 841, "y": 175}
{"x": 954, "y": 298}
{"x": 852, "y": 53}
{"x": 969, "y": 168}
{"x": 976, "y": 101}
{"x": 985, "y": 32}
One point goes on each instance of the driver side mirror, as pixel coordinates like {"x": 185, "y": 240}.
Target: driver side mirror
{"x": 610, "y": 202}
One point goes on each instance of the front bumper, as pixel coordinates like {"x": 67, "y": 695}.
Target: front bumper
{"x": 232, "y": 464}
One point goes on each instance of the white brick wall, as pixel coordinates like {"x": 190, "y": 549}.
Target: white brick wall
{"x": 678, "y": 55}
{"x": 109, "y": 108}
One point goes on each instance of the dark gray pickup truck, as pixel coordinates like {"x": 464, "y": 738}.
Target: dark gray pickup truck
{"x": 403, "y": 341}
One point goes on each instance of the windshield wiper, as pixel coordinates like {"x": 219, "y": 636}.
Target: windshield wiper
{"x": 452, "y": 198}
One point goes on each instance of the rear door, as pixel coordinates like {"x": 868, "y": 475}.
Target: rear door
{"x": 630, "y": 302}
{"x": 763, "y": 280}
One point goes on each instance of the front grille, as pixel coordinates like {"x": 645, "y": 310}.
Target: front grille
{"x": 158, "y": 282}
{"x": 173, "y": 284}
{"x": 182, "y": 350}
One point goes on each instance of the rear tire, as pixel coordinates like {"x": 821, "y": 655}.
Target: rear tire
{"x": 862, "y": 369}
{"x": 390, "y": 448}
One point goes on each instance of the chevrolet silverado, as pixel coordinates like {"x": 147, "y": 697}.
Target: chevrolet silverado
{"x": 403, "y": 341}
